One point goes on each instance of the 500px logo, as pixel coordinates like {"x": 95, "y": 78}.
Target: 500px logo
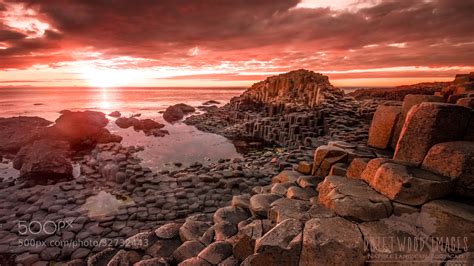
{"x": 45, "y": 227}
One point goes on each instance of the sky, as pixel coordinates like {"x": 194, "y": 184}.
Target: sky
{"x": 172, "y": 43}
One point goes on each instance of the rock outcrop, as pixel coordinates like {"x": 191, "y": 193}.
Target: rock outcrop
{"x": 43, "y": 160}
{"x": 428, "y": 124}
{"x": 298, "y": 87}
{"x": 82, "y": 129}
{"x": 399, "y": 92}
{"x": 148, "y": 126}
{"x": 17, "y": 132}
{"x": 383, "y": 126}
{"x": 177, "y": 112}
{"x": 456, "y": 161}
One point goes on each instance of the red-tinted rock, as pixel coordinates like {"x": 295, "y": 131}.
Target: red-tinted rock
{"x": 16, "y": 132}
{"x": 454, "y": 160}
{"x": 428, "y": 124}
{"x": 44, "y": 159}
{"x": 383, "y": 126}
{"x": 177, "y": 112}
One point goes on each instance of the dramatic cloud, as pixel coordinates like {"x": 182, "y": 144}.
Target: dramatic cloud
{"x": 236, "y": 40}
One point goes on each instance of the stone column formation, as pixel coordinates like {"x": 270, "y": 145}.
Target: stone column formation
{"x": 284, "y": 109}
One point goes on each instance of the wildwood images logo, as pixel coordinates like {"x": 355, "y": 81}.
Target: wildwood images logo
{"x": 412, "y": 248}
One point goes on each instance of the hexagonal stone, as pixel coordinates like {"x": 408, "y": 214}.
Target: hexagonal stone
{"x": 353, "y": 199}
{"x": 410, "y": 185}
{"x": 332, "y": 241}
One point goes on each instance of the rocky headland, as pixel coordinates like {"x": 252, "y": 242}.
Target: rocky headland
{"x": 327, "y": 179}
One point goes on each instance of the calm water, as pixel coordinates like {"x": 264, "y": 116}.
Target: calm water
{"x": 185, "y": 144}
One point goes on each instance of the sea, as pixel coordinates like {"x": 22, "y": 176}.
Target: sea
{"x": 185, "y": 144}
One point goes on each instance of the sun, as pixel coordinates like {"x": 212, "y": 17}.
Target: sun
{"x": 106, "y": 78}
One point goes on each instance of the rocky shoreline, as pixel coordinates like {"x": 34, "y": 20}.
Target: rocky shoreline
{"x": 327, "y": 180}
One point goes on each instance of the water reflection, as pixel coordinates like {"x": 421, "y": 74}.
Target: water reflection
{"x": 104, "y": 204}
{"x": 7, "y": 172}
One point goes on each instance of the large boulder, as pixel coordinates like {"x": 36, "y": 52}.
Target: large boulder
{"x": 467, "y": 102}
{"x": 286, "y": 176}
{"x": 260, "y": 203}
{"x": 455, "y": 160}
{"x": 188, "y": 250}
{"x": 356, "y": 167}
{"x": 17, "y": 132}
{"x": 428, "y": 124}
{"x": 324, "y": 157}
{"x": 353, "y": 199}
{"x": 410, "y": 185}
{"x": 177, "y": 112}
{"x": 125, "y": 122}
{"x": 449, "y": 223}
{"x": 409, "y": 101}
{"x": 216, "y": 252}
{"x": 332, "y": 241}
{"x": 245, "y": 240}
{"x": 281, "y": 245}
{"x": 286, "y": 208}
{"x": 82, "y": 129}
{"x": 230, "y": 214}
{"x": 44, "y": 159}
{"x": 193, "y": 228}
{"x": 383, "y": 126}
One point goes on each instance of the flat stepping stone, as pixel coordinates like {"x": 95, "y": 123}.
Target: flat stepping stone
{"x": 353, "y": 199}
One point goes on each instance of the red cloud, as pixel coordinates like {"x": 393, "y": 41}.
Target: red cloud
{"x": 273, "y": 33}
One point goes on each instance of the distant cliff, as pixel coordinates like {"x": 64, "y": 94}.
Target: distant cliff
{"x": 298, "y": 87}
{"x": 398, "y": 93}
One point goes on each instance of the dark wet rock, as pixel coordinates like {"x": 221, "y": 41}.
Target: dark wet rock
{"x": 44, "y": 159}
{"x": 152, "y": 262}
{"x": 232, "y": 215}
{"x": 102, "y": 258}
{"x": 163, "y": 248}
{"x": 82, "y": 129}
{"x": 247, "y": 236}
{"x": 224, "y": 230}
{"x": 193, "y": 229}
{"x": 168, "y": 231}
{"x": 286, "y": 176}
{"x": 216, "y": 252}
{"x": 260, "y": 203}
{"x": 115, "y": 114}
{"x": 242, "y": 201}
{"x": 177, "y": 112}
{"x": 195, "y": 261}
{"x": 210, "y": 102}
{"x": 281, "y": 245}
{"x": 188, "y": 250}
{"x": 125, "y": 122}
{"x": 124, "y": 257}
{"x": 17, "y": 132}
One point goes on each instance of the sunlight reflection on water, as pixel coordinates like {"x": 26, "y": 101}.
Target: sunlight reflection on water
{"x": 104, "y": 204}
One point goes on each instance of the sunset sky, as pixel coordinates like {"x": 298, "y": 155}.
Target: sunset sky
{"x": 108, "y": 43}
